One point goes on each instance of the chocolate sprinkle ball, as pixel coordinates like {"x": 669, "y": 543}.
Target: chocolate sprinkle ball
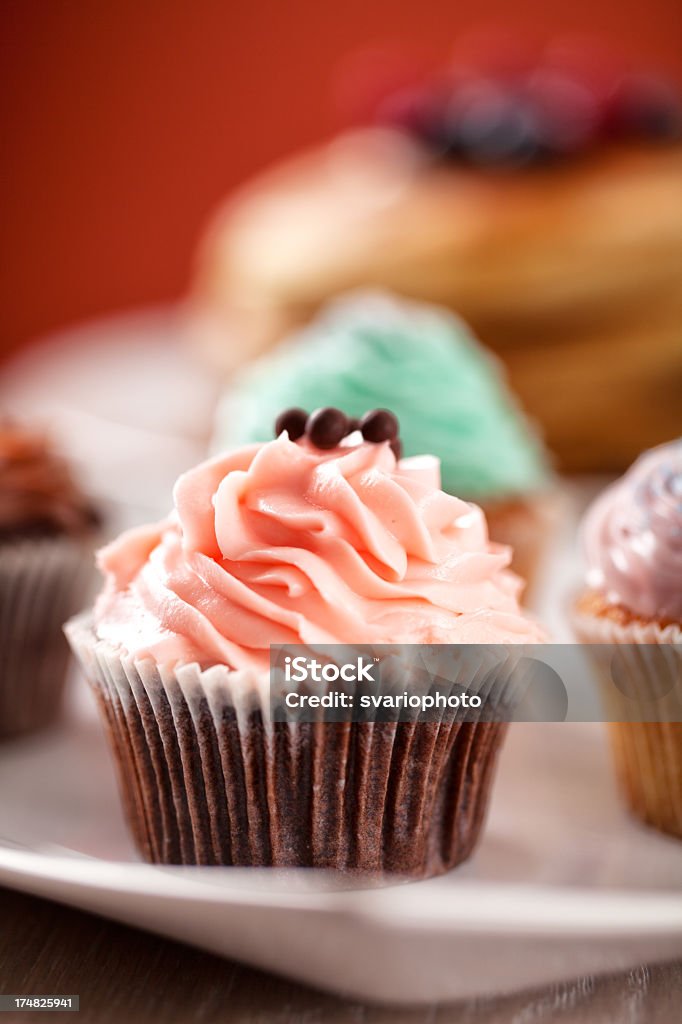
{"x": 293, "y": 421}
{"x": 379, "y": 425}
{"x": 326, "y": 428}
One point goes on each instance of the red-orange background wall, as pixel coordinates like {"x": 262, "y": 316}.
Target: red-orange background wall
{"x": 125, "y": 121}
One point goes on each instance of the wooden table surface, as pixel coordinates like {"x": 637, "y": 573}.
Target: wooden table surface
{"x": 125, "y": 976}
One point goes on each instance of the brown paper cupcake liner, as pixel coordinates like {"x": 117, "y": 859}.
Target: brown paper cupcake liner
{"x": 648, "y": 758}
{"x": 207, "y": 778}
{"x": 647, "y": 754}
{"x": 42, "y": 583}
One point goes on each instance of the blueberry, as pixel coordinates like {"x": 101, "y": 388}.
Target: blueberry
{"x": 647, "y": 106}
{"x": 489, "y": 126}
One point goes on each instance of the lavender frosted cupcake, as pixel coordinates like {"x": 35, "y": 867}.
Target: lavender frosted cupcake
{"x": 317, "y": 537}
{"x": 633, "y": 543}
{"x": 46, "y": 543}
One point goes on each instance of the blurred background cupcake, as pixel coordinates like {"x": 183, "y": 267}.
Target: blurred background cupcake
{"x": 370, "y": 350}
{"x": 47, "y": 528}
{"x": 536, "y": 192}
{"x": 633, "y": 605}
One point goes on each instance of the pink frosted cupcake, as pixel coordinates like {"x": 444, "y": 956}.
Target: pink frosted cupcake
{"x": 326, "y": 540}
{"x": 633, "y": 544}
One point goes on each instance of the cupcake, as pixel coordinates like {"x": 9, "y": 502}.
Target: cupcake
{"x": 633, "y": 600}
{"x": 372, "y": 349}
{"x": 540, "y": 204}
{"x": 326, "y": 539}
{"x": 46, "y": 531}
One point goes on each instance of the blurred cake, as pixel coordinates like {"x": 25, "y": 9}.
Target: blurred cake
{"x": 545, "y": 206}
{"x": 369, "y": 350}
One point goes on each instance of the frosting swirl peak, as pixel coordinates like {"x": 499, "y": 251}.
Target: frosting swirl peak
{"x": 633, "y": 536}
{"x": 285, "y": 543}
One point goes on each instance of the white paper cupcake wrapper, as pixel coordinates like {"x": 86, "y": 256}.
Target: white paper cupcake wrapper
{"x": 207, "y": 777}
{"x": 42, "y": 583}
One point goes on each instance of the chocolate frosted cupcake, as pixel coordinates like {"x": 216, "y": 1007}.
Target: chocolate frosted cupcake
{"x": 323, "y": 540}
{"x": 46, "y": 528}
{"x": 633, "y": 599}
{"x": 373, "y": 349}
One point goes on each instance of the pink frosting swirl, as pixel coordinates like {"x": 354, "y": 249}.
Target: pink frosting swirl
{"x": 283, "y": 543}
{"x": 633, "y": 536}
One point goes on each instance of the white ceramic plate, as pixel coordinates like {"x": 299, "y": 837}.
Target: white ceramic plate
{"x": 563, "y": 883}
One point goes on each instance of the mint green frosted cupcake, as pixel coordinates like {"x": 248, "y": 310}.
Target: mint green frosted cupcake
{"x": 371, "y": 350}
